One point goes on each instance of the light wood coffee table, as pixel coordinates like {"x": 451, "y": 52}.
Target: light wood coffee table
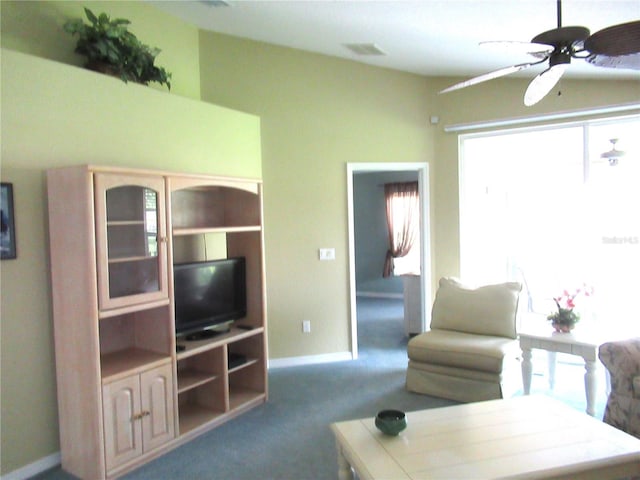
{"x": 522, "y": 437}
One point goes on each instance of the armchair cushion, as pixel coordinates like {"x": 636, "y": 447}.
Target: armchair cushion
{"x": 462, "y": 350}
{"x": 486, "y": 310}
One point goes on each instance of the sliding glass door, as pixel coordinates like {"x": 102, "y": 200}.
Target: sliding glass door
{"x": 541, "y": 206}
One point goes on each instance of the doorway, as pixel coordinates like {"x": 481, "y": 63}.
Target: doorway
{"x": 422, "y": 172}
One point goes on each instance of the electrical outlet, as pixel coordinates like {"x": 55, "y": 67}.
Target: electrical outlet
{"x": 306, "y": 326}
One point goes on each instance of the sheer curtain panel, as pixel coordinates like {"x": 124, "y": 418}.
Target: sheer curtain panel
{"x": 403, "y": 223}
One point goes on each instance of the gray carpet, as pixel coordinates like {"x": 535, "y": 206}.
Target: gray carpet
{"x": 289, "y": 436}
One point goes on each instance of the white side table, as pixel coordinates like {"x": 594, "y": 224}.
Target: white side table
{"x": 553, "y": 342}
{"x": 584, "y": 341}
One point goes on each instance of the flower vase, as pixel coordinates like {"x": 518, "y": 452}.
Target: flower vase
{"x": 562, "y": 328}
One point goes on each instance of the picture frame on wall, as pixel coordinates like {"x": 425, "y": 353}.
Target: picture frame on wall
{"x": 7, "y": 225}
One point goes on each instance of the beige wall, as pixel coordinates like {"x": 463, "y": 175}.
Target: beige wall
{"x": 317, "y": 113}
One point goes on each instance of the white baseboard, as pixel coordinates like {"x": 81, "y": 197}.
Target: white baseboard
{"x": 310, "y": 360}
{"x": 380, "y": 295}
{"x": 34, "y": 468}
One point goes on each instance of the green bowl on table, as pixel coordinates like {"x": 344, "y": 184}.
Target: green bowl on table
{"x": 391, "y": 422}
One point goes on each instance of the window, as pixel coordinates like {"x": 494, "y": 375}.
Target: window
{"x": 541, "y": 206}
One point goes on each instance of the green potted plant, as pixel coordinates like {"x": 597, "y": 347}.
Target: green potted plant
{"x": 111, "y": 48}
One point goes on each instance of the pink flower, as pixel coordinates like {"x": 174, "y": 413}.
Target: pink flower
{"x": 566, "y": 300}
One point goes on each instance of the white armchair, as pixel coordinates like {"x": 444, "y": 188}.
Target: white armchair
{"x": 471, "y": 348}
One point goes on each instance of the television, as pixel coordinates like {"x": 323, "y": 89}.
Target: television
{"x": 208, "y": 296}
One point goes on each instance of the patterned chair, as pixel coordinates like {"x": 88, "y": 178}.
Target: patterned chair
{"x": 622, "y": 359}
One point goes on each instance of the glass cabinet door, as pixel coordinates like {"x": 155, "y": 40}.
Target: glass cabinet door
{"x": 131, "y": 240}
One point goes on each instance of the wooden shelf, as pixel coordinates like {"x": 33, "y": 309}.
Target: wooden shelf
{"x": 249, "y": 362}
{"x": 124, "y": 223}
{"x": 129, "y": 361}
{"x": 104, "y": 314}
{"x": 205, "y": 230}
{"x": 188, "y": 379}
{"x": 239, "y": 397}
{"x": 138, "y": 258}
{"x": 193, "y": 416}
{"x": 200, "y": 346}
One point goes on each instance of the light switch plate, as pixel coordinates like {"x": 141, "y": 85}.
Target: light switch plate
{"x": 327, "y": 254}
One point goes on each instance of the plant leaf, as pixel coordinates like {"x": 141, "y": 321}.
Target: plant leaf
{"x": 90, "y": 15}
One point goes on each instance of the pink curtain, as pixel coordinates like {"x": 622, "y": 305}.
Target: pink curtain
{"x": 403, "y": 220}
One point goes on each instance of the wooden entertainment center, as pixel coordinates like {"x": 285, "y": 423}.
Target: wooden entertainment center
{"x": 125, "y": 394}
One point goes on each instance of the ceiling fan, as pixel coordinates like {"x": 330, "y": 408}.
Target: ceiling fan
{"x": 617, "y": 46}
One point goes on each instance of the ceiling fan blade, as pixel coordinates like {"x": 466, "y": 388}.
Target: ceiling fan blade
{"x": 536, "y": 49}
{"x": 622, "y": 39}
{"x": 543, "y": 83}
{"x": 623, "y": 61}
{"x": 490, "y": 76}
{"x": 615, "y": 47}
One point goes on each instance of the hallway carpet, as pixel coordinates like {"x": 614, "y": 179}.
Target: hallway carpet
{"x": 289, "y": 436}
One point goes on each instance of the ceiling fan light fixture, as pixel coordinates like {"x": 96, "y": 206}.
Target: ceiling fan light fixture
{"x": 559, "y": 58}
{"x": 613, "y": 155}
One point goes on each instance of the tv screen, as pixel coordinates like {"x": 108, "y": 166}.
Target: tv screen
{"x": 209, "y": 294}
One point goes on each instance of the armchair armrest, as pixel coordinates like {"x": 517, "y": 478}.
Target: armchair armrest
{"x": 623, "y": 355}
{"x": 622, "y": 359}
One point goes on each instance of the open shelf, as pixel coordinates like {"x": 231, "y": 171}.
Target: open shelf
{"x": 129, "y": 361}
{"x": 248, "y": 363}
{"x": 205, "y": 230}
{"x": 198, "y": 346}
{"x": 188, "y": 379}
{"x": 193, "y": 416}
{"x": 239, "y": 397}
{"x": 211, "y": 208}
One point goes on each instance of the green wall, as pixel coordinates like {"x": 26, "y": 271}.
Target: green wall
{"x": 55, "y": 114}
{"x": 35, "y": 27}
{"x": 316, "y": 114}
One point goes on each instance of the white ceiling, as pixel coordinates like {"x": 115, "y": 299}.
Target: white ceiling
{"x": 429, "y": 37}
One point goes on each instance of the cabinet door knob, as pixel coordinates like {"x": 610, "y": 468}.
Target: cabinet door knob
{"x": 141, "y": 415}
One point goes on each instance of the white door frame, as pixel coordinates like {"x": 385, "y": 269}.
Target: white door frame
{"x": 425, "y": 239}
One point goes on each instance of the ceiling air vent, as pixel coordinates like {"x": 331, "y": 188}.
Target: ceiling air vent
{"x": 364, "y": 49}
{"x": 215, "y": 3}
